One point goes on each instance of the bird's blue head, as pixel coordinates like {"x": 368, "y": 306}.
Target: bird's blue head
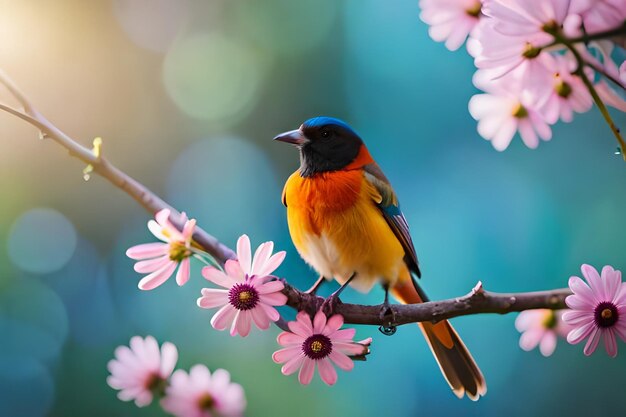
{"x": 325, "y": 143}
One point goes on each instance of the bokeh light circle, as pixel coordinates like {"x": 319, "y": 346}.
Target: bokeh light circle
{"x": 211, "y": 77}
{"x": 151, "y": 24}
{"x": 230, "y": 186}
{"x": 33, "y": 321}
{"x": 41, "y": 240}
{"x": 301, "y": 26}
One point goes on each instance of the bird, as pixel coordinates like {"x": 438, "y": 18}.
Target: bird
{"x": 345, "y": 221}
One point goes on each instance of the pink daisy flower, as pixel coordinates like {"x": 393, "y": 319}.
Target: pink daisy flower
{"x": 598, "y": 309}
{"x": 568, "y": 94}
{"x": 200, "y": 394}
{"x": 502, "y": 113}
{"x": 541, "y": 328}
{"x": 142, "y": 370}
{"x": 450, "y": 20}
{"x": 250, "y": 293}
{"x": 318, "y": 344}
{"x": 598, "y": 15}
{"x": 159, "y": 260}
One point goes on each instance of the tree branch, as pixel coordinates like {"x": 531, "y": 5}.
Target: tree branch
{"x": 477, "y": 301}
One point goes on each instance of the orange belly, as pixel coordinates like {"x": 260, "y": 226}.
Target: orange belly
{"x": 338, "y": 229}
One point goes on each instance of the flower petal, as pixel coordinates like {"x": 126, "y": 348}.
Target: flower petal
{"x": 274, "y": 299}
{"x": 243, "y": 324}
{"x": 293, "y": 364}
{"x": 212, "y": 298}
{"x": 224, "y": 317}
{"x": 530, "y": 339}
{"x": 609, "y": 342}
{"x": 319, "y": 322}
{"x": 341, "y": 360}
{"x": 333, "y": 324}
{"x": 580, "y": 333}
{"x": 260, "y": 318}
{"x": 169, "y": 357}
{"x": 548, "y": 343}
{"x": 327, "y": 371}
{"x": 288, "y": 338}
{"x": 270, "y": 287}
{"x": 217, "y": 277}
{"x": 233, "y": 270}
{"x": 151, "y": 265}
{"x": 147, "y": 250}
{"x": 344, "y": 335}
{"x": 286, "y": 354}
{"x": 582, "y": 290}
{"x": 272, "y": 263}
{"x": 182, "y": 276}
{"x": 593, "y": 341}
{"x": 270, "y": 311}
{"x": 306, "y": 372}
{"x": 260, "y": 258}
{"x": 157, "y": 278}
{"x": 595, "y": 281}
{"x": 244, "y": 253}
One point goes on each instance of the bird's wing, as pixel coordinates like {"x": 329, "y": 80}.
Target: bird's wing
{"x": 387, "y": 202}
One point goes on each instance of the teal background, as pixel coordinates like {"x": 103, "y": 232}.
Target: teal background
{"x": 187, "y": 97}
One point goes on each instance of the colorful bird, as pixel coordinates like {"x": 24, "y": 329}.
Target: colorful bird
{"x": 345, "y": 221}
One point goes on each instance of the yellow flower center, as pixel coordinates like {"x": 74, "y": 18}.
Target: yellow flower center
{"x": 520, "y": 112}
{"x": 245, "y": 296}
{"x": 530, "y": 51}
{"x": 474, "y": 10}
{"x": 178, "y": 251}
{"x": 606, "y": 313}
{"x": 549, "y": 322}
{"x": 317, "y": 346}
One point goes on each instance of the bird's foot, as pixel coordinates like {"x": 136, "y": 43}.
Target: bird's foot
{"x": 330, "y": 304}
{"x": 388, "y": 317}
{"x": 315, "y": 286}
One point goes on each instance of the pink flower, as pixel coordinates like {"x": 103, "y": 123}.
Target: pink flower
{"x": 450, "y": 20}
{"x": 598, "y": 309}
{"x": 503, "y": 112}
{"x": 159, "y": 260}
{"x": 320, "y": 344}
{"x": 568, "y": 94}
{"x": 141, "y": 370}
{"x": 504, "y": 53}
{"x": 200, "y": 394}
{"x": 597, "y": 15}
{"x": 541, "y": 327}
{"x": 251, "y": 293}
{"x": 526, "y": 17}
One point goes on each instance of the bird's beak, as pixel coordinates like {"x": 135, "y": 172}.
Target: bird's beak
{"x": 295, "y": 137}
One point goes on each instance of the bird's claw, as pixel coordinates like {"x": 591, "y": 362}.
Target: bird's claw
{"x": 330, "y": 304}
{"x": 388, "y": 317}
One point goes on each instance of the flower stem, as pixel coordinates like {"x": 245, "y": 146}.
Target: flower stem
{"x": 620, "y": 30}
{"x": 580, "y": 71}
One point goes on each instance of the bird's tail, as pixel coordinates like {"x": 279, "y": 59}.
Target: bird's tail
{"x": 455, "y": 361}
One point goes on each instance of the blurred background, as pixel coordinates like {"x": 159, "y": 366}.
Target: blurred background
{"x": 187, "y": 96}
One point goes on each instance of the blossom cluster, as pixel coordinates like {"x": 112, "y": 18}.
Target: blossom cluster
{"x": 597, "y": 310}
{"x": 248, "y": 296}
{"x": 533, "y": 60}
{"x": 142, "y": 371}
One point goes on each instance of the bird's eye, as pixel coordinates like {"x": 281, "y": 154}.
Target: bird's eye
{"x": 325, "y": 134}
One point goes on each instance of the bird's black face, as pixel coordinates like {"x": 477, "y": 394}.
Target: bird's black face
{"x": 326, "y": 144}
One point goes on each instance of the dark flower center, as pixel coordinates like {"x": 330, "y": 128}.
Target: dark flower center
{"x": 178, "y": 251}
{"x": 520, "y": 112}
{"x": 156, "y": 384}
{"x": 206, "y": 402}
{"x": 606, "y": 314}
{"x": 549, "y": 322}
{"x": 243, "y": 296}
{"x": 474, "y": 10}
{"x": 317, "y": 346}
